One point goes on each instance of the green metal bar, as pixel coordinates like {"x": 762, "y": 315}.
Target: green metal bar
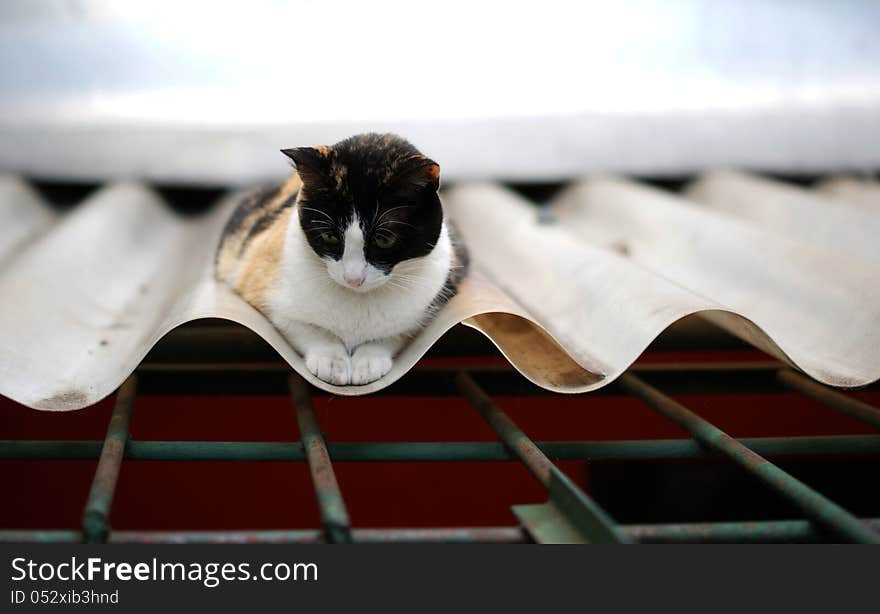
{"x": 573, "y": 502}
{"x": 334, "y": 517}
{"x": 97, "y": 511}
{"x": 506, "y": 429}
{"x": 766, "y": 531}
{"x": 829, "y": 397}
{"x": 216, "y": 451}
{"x": 40, "y": 536}
{"x": 456, "y": 535}
{"x": 463, "y": 535}
{"x": 576, "y": 505}
{"x": 772, "y": 531}
{"x": 815, "y": 505}
{"x": 14, "y": 449}
{"x": 429, "y": 451}
{"x": 294, "y": 536}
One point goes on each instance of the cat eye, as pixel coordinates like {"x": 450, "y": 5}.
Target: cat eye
{"x": 384, "y": 241}
{"x": 329, "y": 238}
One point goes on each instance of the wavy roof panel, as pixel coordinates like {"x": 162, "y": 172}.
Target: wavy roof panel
{"x": 571, "y": 298}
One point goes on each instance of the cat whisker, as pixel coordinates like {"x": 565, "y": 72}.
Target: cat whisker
{"x": 400, "y": 282}
{"x": 387, "y": 211}
{"x": 395, "y": 222}
{"x": 388, "y": 232}
{"x": 317, "y": 211}
{"x": 413, "y": 283}
{"x": 412, "y": 277}
{"x": 399, "y": 286}
{"x": 409, "y": 278}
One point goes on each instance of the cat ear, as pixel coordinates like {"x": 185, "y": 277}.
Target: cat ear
{"x": 418, "y": 172}
{"x": 311, "y": 162}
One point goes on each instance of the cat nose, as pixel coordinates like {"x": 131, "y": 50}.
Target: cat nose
{"x": 355, "y": 281}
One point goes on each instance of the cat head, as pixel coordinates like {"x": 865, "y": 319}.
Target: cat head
{"x": 367, "y": 203}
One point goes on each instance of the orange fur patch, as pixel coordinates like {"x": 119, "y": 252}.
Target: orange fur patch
{"x": 260, "y": 262}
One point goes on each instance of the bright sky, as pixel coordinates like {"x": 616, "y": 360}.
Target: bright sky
{"x": 258, "y": 62}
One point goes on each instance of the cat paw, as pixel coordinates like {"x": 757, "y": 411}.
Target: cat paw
{"x": 330, "y": 364}
{"x": 369, "y": 363}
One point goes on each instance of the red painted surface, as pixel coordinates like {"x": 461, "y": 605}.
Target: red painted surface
{"x": 229, "y": 495}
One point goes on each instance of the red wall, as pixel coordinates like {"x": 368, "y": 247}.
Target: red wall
{"x": 231, "y": 495}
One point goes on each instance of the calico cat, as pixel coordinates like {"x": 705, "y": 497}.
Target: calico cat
{"x": 349, "y": 256}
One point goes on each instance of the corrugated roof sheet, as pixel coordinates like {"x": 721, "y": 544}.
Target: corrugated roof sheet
{"x": 571, "y": 299}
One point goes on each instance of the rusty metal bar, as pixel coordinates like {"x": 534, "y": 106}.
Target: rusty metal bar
{"x": 829, "y": 397}
{"x": 293, "y": 536}
{"x": 584, "y": 513}
{"x": 768, "y": 531}
{"x": 40, "y": 536}
{"x": 452, "y": 535}
{"x": 463, "y": 535}
{"x": 334, "y": 517}
{"x": 431, "y": 451}
{"x": 814, "y": 505}
{"x": 96, "y": 516}
{"x": 457, "y": 535}
{"x": 506, "y": 429}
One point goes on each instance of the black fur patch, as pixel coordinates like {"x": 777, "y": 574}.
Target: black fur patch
{"x": 381, "y": 179}
{"x": 265, "y": 221}
{"x": 460, "y": 265}
{"x": 252, "y": 201}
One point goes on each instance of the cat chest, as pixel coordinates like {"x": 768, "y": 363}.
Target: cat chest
{"x": 351, "y": 317}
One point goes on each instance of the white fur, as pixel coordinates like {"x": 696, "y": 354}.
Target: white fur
{"x": 349, "y": 335}
{"x": 352, "y": 270}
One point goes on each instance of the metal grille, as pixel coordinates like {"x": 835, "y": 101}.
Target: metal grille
{"x": 569, "y": 515}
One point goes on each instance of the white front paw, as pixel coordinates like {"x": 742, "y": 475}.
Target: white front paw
{"x": 369, "y": 363}
{"x": 330, "y": 363}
